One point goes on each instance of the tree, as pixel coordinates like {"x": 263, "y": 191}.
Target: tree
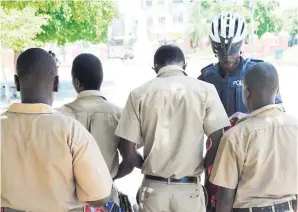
{"x": 291, "y": 21}
{"x": 72, "y": 20}
{"x": 200, "y": 19}
{"x": 19, "y": 28}
{"x": 205, "y": 10}
{"x": 266, "y": 18}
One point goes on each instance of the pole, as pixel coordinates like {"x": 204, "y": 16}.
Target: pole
{"x": 252, "y": 28}
{"x": 7, "y": 93}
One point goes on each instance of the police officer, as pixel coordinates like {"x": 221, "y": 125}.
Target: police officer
{"x": 169, "y": 116}
{"x": 49, "y": 161}
{"x": 256, "y": 163}
{"x": 227, "y": 34}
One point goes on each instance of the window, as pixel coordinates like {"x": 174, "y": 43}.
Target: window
{"x": 178, "y": 18}
{"x": 149, "y": 2}
{"x": 162, "y": 20}
{"x": 149, "y": 22}
{"x": 175, "y": 18}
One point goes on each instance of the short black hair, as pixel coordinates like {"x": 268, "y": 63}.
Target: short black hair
{"x": 262, "y": 78}
{"x": 168, "y": 55}
{"x": 36, "y": 63}
{"x": 87, "y": 69}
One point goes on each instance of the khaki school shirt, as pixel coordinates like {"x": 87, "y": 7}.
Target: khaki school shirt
{"x": 169, "y": 115}
{"x": 258, "y": 158}
{"x": 100, "y": 118}
{"x": 49, "y": 161}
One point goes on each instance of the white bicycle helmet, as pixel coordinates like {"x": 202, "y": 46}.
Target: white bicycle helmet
{"x": 227, "y": 34}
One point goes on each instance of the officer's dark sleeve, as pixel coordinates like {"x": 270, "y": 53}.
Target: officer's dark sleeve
{"x": 278, "y": 99}
{"x": 201, "y": 77}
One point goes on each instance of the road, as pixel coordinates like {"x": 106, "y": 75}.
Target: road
{"x": 128, "y": 75}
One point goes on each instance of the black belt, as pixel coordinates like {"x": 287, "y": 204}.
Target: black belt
{"x": 172, "y": 180}
{"x": 277, "y": 208}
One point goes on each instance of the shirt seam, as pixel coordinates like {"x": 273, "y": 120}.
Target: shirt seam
{"x": 253, "y": 131}
{"x": 81, "y": 111}
{"x": 26, "y": 113}
{"x": 154, "y": 90}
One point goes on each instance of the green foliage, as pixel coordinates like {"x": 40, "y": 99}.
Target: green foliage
{"x": 291, "y": 21}
{"x": 204, "y": 12}
{"x": 19, "y": 28}
{"x": 71, "y": 20}
{"x": 265, "y": 17}
{"x": 200, "y": 20}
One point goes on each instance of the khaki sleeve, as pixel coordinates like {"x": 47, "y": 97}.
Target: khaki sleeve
{"x": 227, "y": 166}
{"x": 66, "y": 111}
{"x": 216, "y": 117}
{"x": 92, "y": 177}
{"x": 129, "y": 126}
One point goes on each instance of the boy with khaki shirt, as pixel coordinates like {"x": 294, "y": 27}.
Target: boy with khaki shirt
{"x": 255, "y": 166}
{"x": 50, "y": 162}
{"x": 169, "y": 116}
{"x": 99, "y": 116}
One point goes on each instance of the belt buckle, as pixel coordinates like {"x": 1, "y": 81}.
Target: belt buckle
{"x": 169, "y": 180}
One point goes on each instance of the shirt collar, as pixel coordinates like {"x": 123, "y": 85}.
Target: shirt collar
{"x": 30, "y": 108}
{"x": 89, "y": 93}
{"x": 171, "y": 70}
{"x": 264, "y": 111}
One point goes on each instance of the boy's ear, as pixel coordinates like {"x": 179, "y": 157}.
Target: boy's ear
{"x": 56, "y": 84}
{"x": 17, "y": 82}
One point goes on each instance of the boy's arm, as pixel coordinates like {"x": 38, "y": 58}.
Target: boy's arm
{"x": 91, "y": 174}
{"x": 131, "y": 155}
{"x": 125, "y": 167}
{"x": 226, "y": 171}
{"x": 211, "y": 152}
{"x": 294, "y": 204}
{"x": 129, "y": 130}
{"x": 214, "y": 122}
{"x": 225, "y": 199}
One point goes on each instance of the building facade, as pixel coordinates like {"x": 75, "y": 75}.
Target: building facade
{"x": 166, "y": 19}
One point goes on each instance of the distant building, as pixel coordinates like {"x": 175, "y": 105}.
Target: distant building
{"x": 166, "y": 19}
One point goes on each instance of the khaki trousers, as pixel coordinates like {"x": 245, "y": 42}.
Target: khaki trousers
{"x": 156, "y": 196}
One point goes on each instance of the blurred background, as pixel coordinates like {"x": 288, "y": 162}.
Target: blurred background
{"x": 124, "y": 34}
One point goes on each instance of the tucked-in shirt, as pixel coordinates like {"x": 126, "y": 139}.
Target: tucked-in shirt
{"x": 169, "y": 115}
{"x": 100, "y": 118}
{"x": 50, "y": 162}
{"x": 258, "y": 157}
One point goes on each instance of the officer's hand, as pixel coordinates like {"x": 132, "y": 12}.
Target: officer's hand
{"x": 236, "y": 116}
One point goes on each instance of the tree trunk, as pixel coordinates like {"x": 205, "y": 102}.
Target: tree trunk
{"x": 16, "y": 55}
{"x": 63, "y": 53}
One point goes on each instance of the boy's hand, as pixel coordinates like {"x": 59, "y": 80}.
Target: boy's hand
{"x": 236, "y": 116}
